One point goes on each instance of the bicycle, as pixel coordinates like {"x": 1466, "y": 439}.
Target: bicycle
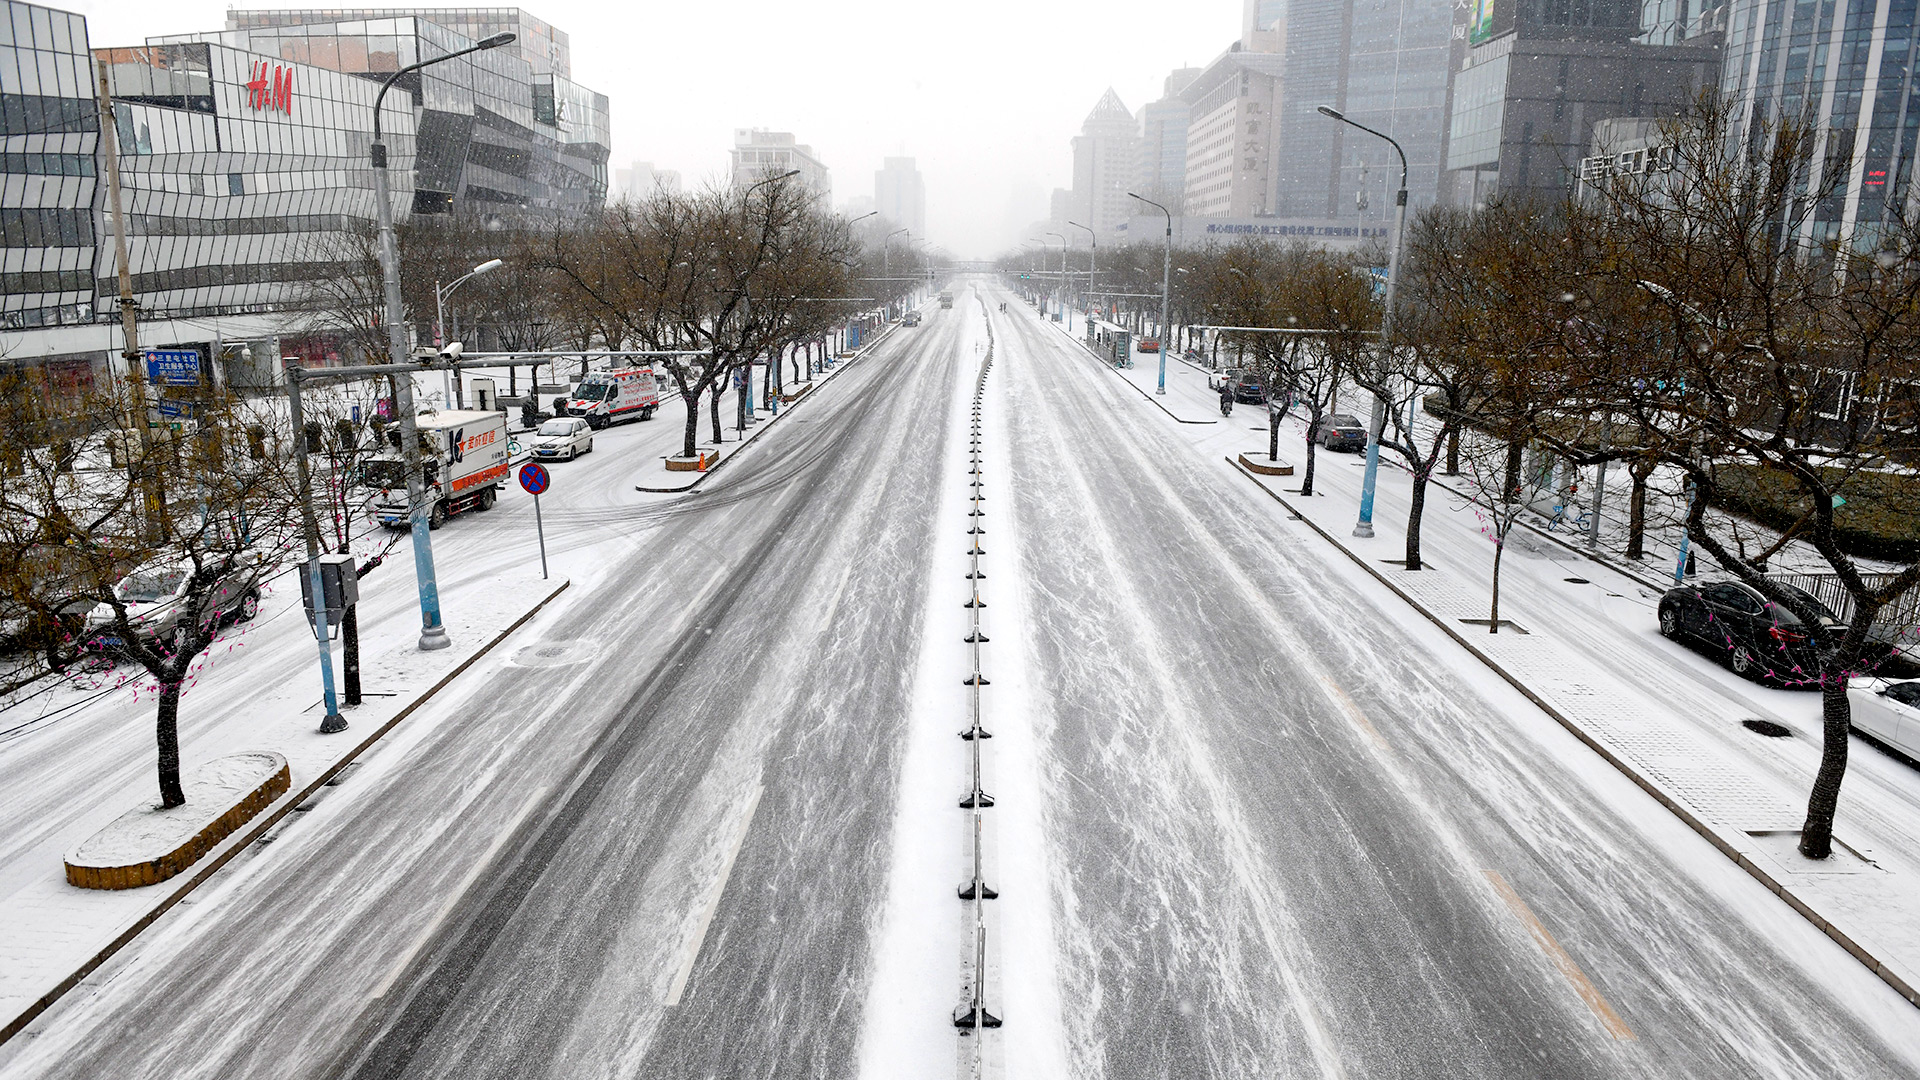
{"x": 1579, "y": 524}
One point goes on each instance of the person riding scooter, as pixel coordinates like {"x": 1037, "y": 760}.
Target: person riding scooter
{"x": 1226, "y": 398}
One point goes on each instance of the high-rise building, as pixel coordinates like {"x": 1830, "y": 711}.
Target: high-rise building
{"x": 1160, "y": 169}
{"x": 1103, "y": 165}
{"x": 1853, "y": 67}
{"x": 636, "y": 183}
{"x": 1536, "y": 79}
{"x": 48, "y": 181}
{"x": 1263, "y": 25}
{"x": 1310, "y": 149}
{"x": 1402, "y": 55}
{"x": 1231, "y": 155}
{"x": 758, "y": 154}
{"x": 900, "y": 194}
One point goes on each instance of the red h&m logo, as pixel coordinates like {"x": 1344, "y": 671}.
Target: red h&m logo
{"x": 270, "y": 88}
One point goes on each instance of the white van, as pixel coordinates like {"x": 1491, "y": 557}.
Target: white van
{"x": 607, "y": 397}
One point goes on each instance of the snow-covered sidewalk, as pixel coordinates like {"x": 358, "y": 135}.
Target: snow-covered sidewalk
{"x": 1588, "y": 654}
{"x": 54, "y": 934}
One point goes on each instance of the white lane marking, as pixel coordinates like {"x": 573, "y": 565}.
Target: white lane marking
{"x": 713, "y": 902}
{"x": 453, "y": 897}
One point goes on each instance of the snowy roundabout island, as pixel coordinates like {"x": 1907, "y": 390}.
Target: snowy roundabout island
{"x": 148, "y": 844}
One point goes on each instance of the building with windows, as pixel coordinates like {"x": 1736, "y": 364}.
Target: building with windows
{"x": 244, "y": 176}
{"x": 1537, "y": 77}
{"x": 1852, "y": 66}
{"x": 1231, "y": 151}
{"x": 1103, "y": 165}
{"x": 503, "y": 132}
{"x": 49, "y": 187}
{"x": 758, "y": 154}
{"x": 1160, "y": 169}
{"x": 642, "y": 180}
{"x": 900, "y": 194}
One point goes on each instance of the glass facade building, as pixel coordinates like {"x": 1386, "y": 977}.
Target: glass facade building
{"x": 1851, "y": 66}
{"x": 49, "y": 139}
{"x": 239, "y": 174}
{"x": 502, "y": 132}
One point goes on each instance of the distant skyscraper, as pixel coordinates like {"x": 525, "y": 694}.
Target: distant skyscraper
{"x": 1103, "y": 165}
{"x": 758, "y": 154}
{"x": 1263, "y": 25}
{"x": 643, "y": 179}
{"x": 1160, "y": 172}
{"x": 900, "y": 194}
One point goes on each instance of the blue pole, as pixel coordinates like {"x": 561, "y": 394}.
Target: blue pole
{"x": 1364, "y": 527}
{"x": 334, "y": 721}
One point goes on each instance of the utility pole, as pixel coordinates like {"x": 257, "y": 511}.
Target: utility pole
{"x": 141, "y": 472}
{"x": 1166, "y": 288}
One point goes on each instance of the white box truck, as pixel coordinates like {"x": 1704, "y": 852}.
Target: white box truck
{"x": 463, "y": 461}
{"x": 609, "y": 397}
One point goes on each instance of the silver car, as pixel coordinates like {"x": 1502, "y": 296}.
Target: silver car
{"x": 563, "y": 438}
{"x": 1891, "y": 715}
{"x": 155, "y": 600}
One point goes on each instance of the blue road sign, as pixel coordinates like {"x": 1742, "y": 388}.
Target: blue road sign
{"x": 533, "y": 477}
{"x": 174, "y": 367}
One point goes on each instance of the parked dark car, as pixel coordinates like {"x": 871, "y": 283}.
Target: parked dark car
{"x": 1246, "y": 385}
{"x": 1340, "y": 431}
{"x": 1755, "y": 637}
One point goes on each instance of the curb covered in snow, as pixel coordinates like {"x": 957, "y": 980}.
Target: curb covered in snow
{"x": 1108, "y": 365}
{"x": 838, "y": 367}
{"x": 231, "y": 846}
{"x": 1626, "y": 768}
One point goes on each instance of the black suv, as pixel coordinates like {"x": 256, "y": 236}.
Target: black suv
{"x": 1340, "y": 431}
{"x": 1755, "y": 637}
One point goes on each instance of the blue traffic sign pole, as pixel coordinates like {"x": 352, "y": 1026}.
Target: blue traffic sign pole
{"x": 533, "y": 477}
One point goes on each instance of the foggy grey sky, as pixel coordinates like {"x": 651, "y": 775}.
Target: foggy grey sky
{"x": 985, "y": 94}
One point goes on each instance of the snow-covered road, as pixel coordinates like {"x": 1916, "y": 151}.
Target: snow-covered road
{"x": 1255, "y": 821}
{"x": 1290, "y": 836}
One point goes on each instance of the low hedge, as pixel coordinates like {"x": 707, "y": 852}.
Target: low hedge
{"x": 1879, "y": 519}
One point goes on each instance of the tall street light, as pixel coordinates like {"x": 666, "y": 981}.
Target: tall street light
{"x": 433, "y": 634}
{"x": 1068, "y": 319}
{"x": 1364, "y": 527}
{"x": 1166, "y": 288}
{"x": 746, "y": 297}
{"x": 440, "y": 310}
{"x": 1093, "y": 253}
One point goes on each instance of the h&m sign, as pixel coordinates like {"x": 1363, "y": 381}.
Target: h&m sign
{"x": 270, "y": 87}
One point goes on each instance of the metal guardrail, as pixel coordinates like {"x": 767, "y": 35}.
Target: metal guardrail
{"x": 1899, "y": 621}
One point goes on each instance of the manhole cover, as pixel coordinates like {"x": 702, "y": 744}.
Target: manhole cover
{"x": 1766, "y": 727}
{"x": 556, "y": 654}
{"x": 1578, "y": 581}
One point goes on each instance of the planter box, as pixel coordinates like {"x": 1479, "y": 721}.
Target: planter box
{"x": 150, "y": 845}
{"x": 698, "y": 463}
{"x": 1259, "y": 464}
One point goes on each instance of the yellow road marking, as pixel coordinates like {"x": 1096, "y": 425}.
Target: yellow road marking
{"x": 1609, "y": 1019}
{"x": 1353, "y": 710}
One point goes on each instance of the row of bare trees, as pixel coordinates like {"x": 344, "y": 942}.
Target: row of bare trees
{"x": 1702, "y": 321}
{"x": 131, "y": 544}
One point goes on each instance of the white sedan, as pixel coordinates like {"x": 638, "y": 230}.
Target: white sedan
{"x": 1890, "y": 714}
{"x": 565, "y": 437}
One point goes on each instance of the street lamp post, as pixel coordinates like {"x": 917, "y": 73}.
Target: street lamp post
{"x": 440, "y": 314}
{"x": 1166, "y": 288}
{"x": 1093, "y": 253}
{"x": 1065, "y": 316}
{"x": 433, "y": 634}
{"x": 746, "y": 303}
{"x": 1364, "y": 527}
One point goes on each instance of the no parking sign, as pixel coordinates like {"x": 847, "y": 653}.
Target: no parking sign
{"x": 533, "y": 477}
